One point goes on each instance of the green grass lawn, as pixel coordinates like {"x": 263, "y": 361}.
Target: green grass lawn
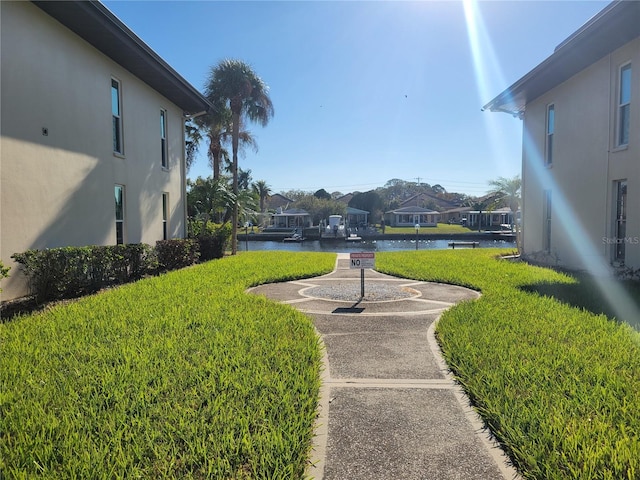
{"x": 178, "y": 376}
{"x": 186, "y": 376}
{"x": 443, "y": 228}
{"x": 559, "y": 386}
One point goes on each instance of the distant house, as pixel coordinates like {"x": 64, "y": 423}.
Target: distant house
{"x": 357, "y": 217}
{"x": 345, "y": 198}
{"x": 92, "y": 133}
{"x": 455, "y": 215}
{"x": 411, "y": 216}
{"x": 496, "y": 219}
{"x": 581, "y": 145}
{"x": 424, "y": 199}
{"x": 277, "y": 201}
{"x": 290, "y": 219}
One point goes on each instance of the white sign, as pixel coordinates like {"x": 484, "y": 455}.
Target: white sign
{"x": 362, "y": 260}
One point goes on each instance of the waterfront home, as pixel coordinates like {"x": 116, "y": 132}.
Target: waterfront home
{"x": 411, "y": 216}
{"x": 290, "y": 219}
{"x": 357, "y": 218}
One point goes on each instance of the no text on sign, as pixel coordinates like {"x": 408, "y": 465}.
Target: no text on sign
{"x": 362, "y": 260}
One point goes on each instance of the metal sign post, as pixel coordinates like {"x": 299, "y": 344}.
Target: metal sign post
{"x": 362, "y": 260}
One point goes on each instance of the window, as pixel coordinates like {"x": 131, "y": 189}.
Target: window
{"x": 547, "y": 220}
{"x": 163, "y": 138}
{"x": 119, "y": 193}
{"x": 620, "y": 192}
{"x": 551, "y": 126}
{"x": 624, "y": 105}
{"x": 116, "y": 113}
{"x": 165, "y": 216}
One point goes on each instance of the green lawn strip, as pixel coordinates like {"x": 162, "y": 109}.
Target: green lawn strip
{"x": 441, "y": 228}
{"x": 178, "y": 376}
{"x": 558, "y": 386}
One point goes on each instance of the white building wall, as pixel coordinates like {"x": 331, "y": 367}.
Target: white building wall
{"x": 58, "y": 189}
{"x": 584, "y": 167}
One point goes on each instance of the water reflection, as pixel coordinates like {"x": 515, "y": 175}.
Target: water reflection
{"x": 365, "y": 245}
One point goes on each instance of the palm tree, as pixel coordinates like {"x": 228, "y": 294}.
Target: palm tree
{"x": 506, "y": 191}
{"x": 193, "y": 138}
{"x": 216, "y": 127}
{"x": 480, "y": 204}
{"x": 264, "y": 192}
{"x": 244, "y": 179}
{"x": 247, "y": 205}
{"x": 236, "y": 85}
{"x": 208, "y": 198}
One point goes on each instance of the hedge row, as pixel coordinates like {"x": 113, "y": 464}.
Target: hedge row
{"x": 68, "y": 272}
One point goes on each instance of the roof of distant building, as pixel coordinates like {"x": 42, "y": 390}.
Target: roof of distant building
{"x": 292, "y": 212}
{"x": 346, "y": 198}
{"x": 355, "y": 211}
{"x": 440, "y": 202}
{"x": 409, "y": 210}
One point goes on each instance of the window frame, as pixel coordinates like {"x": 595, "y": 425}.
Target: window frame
{"x": 163, "y": 140}
{"x": 623, "y": 106}
{"x": 120, "y": 214}
{"x": 117, "y": 130}
{"x": 550, "y": 129}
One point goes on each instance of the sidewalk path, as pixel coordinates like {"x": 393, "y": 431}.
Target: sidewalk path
{"x": 389, "y": 408}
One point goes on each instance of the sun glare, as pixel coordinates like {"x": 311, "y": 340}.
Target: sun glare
{"x": 591, "y": 254}
{"x": 488, "y": 74}
{"x": 590, "y": 250}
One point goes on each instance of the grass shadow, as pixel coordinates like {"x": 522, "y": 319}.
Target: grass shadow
{"x": 616, "y": 299}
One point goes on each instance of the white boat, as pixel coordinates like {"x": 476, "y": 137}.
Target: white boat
{"x": 296, "y": 237}
{"x": 335, "y": 229}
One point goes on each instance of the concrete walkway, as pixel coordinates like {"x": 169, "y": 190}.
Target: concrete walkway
{"x": 389, "y": 408}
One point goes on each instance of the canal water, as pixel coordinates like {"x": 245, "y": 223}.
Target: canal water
{"x": 364, "y": 245}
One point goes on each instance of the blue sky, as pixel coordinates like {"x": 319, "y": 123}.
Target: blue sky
{"x": 365, "y": 92}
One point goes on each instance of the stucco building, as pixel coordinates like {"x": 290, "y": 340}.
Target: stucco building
{"x": 92, "y": 133}
{"x": 581, "y": 146}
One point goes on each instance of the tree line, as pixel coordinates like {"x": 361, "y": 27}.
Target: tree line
{"x": 239, "y": 96}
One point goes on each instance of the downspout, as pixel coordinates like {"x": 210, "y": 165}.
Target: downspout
{"x": 520, "y": 226}
{"x": 183, "y": 173}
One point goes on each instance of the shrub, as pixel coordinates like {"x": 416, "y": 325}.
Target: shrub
{"x": 176, "y": 253}
{"x": 66, "y": 272}
{"x": 212, "y": 241}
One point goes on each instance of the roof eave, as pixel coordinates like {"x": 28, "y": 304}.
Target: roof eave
{"x": 616, "y": 25}
{"x": 94, "y": 23}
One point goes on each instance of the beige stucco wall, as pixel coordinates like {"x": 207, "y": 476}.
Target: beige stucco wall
{"x": 584, "y": 168}
{"x": 58, "y": 189}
